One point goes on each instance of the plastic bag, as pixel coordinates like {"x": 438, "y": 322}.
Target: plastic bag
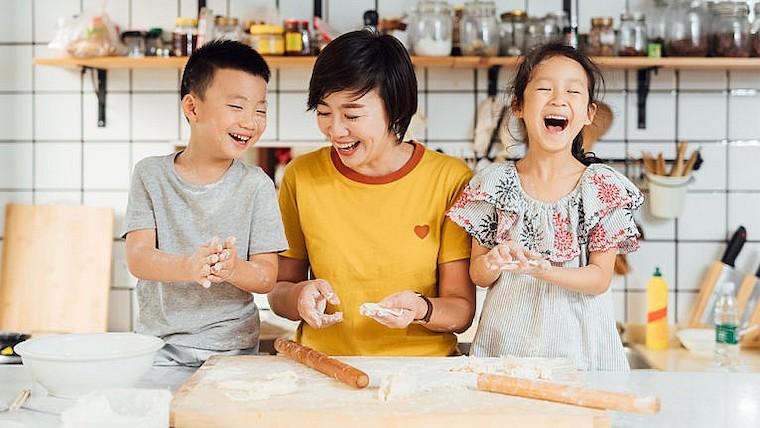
{"x": 88, "y": 35}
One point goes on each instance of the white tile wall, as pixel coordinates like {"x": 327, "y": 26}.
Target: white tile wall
{"x": 58, "y": 166}
{"x": 702, "y": 116}
{"x": 51, "y": 150}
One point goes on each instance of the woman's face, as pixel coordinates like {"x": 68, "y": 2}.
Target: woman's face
{"x": 356, "y": 127}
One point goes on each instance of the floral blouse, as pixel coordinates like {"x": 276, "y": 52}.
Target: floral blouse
{"x": 524, "y": 316}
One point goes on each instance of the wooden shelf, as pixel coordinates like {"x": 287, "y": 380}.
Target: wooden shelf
{"x": 107, "y": 63}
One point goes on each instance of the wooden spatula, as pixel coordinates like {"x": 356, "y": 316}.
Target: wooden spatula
{"x": 599, "y": 126}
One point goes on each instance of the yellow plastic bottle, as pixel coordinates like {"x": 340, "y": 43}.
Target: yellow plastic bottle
{"x": 657, "y": 312}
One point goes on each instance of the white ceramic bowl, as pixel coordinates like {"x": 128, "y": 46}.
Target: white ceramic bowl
{"x": 74, "y": 364}
{"x": 698, "y": 340}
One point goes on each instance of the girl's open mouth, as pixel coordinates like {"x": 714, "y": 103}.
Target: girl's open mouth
{"x": 555, "y": 124}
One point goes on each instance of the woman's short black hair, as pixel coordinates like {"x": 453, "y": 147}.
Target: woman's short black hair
{"x": 220, "y": 54}
{"x": 360, "y": 61}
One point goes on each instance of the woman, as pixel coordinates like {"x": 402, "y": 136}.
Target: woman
{"x": 365, "y": 217}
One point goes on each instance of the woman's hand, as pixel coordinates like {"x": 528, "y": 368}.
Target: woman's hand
{"x": 412, "y": 307}
{"x": 312, "y": 302}
{"x": 512, "y": 257}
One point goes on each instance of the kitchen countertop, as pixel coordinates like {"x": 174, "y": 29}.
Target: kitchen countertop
{"x": 707, "y": 399}
{"x": 680, "y": 359}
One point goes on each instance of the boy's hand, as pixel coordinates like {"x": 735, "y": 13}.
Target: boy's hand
{"x": 512, "y": 257}
{"x": 199, "y": 264}
{"x": 223, "y": 268}
{"x": 312, "y": 302}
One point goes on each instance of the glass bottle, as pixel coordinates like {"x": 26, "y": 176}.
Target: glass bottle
{"x": 431, "y": 30}
{"x": 479, "y": 29}
{"x": 601, "y": 37}
{"x": 632, "y": 35}
{"x": 730, "y": 30}
{"x": 686, "y": 29}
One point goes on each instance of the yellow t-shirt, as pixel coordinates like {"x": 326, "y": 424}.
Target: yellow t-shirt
{"x": 370, "y": 237}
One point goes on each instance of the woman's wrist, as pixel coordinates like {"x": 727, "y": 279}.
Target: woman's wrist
{"x": 424, "y": 309}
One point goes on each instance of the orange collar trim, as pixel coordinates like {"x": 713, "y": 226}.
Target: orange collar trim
{"x": 349, "y": 173}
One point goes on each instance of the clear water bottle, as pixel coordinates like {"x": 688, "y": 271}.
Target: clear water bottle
{"x": 727, "y": 329}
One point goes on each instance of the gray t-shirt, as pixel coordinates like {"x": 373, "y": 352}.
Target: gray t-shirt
{"x": 243, "y": 204}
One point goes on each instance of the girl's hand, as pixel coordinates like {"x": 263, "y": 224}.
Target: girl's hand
{"x": 199, "y": 264}
{"x": 512, "y": 257}
{"x": 312, "y": 302}
{"x": 226, "y": 260}
{"x": 412, "y": 307}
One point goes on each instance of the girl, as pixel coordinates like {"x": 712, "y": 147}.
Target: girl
{"x": 546, "y": 228}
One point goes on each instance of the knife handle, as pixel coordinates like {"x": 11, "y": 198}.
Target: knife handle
{"x": 734, "y": 246}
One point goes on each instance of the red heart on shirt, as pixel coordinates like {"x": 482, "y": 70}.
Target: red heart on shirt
{"x": 421, "y": 231}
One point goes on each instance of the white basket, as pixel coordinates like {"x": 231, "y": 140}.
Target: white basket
{"x": 667, "y": 195}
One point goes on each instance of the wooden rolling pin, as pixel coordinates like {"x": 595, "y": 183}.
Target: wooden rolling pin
{"x": 341, "y": 371}
{"x": 568, "y": 394}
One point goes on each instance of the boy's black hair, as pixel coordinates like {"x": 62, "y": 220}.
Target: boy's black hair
{"x": 593, "y": 74}
{"x": 361, "y": 61}
{"x": 220, "y": 54}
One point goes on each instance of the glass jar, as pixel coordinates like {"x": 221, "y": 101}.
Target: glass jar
{"x": 396, "y": 27}
{"x": 297, "y": 37}
{"x": 555, "y": 25}
{"x": 601, "y": 37}
{"x": 686, "y": 28}
{"x": 184, "y": 36}
{"x": 632, "y": 35}
{"x": 755, "y": 32}
{"x": 657, "y": 29}
{"x": 432, "y": 29}
{"x": 730, "y": 30}
{"x": 226, "y": 28}
{"x": 505, "y": 35}
{"x": 267, "y": 39}
{"x": 479, "y": 29}
{"x": 534, "y": 33}
{"x": 513, "y": 32}
{"x": 154, "y": 46}
{"x": 134, "y": 42}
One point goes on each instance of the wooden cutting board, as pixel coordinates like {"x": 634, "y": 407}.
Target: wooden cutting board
{"x": 443, "y": 398}
{"x": 56, "y": 268}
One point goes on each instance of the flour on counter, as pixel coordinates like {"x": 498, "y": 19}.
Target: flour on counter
{"x": 281, "y": 383}
{"x": 396, "y": 385}
{"x": 558, "y": 369}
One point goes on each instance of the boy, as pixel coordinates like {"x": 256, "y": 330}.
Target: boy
{"x": 194, "y": 292}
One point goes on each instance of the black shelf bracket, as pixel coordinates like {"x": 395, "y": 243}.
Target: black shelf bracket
{"x": 643, "y": 78}
{"x": 493, "y": 80}
{"x": 99, "y": 82}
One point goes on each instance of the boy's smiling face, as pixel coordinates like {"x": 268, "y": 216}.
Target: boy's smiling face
{"x": 231, "y": 115}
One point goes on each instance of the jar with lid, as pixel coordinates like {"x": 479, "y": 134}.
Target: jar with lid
{"x": 686, "y": 28}
{"x": 534, "y": 33}
{"x": 479, "y": 29}
{"x": 431, "y": 29}
{"x": 555, "y": 25}
{"x": 657, "y": 28}
{"x": 135, "y": 43}
{"x": 184, "y": 36}
{"x": 267, "y": 39}
{"x": 297, "y": 37}
{"x": 154, "y": 45}
{"x": 632, "y": 35}
{"x": 755, "y": 32}
{"x": 226, "y": 28}
{"x": 601, "y": 37}
{"x": 730, "y": 30}
{"x": 513, "y": 32}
